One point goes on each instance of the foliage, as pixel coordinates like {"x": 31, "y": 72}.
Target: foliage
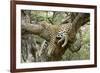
{"x": 51, "y": 17}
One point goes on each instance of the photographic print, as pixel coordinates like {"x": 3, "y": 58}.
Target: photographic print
{"x": 52, "y": 36}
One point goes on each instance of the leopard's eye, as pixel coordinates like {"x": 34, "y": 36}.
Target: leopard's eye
{"x": 58, "y": 35}
{"x": 61, "y": 35}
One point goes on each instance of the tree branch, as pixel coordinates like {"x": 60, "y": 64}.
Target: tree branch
{"x": 32, "y": 28}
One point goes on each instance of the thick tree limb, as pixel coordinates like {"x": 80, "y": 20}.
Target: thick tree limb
{"x": 32, "y": 28}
